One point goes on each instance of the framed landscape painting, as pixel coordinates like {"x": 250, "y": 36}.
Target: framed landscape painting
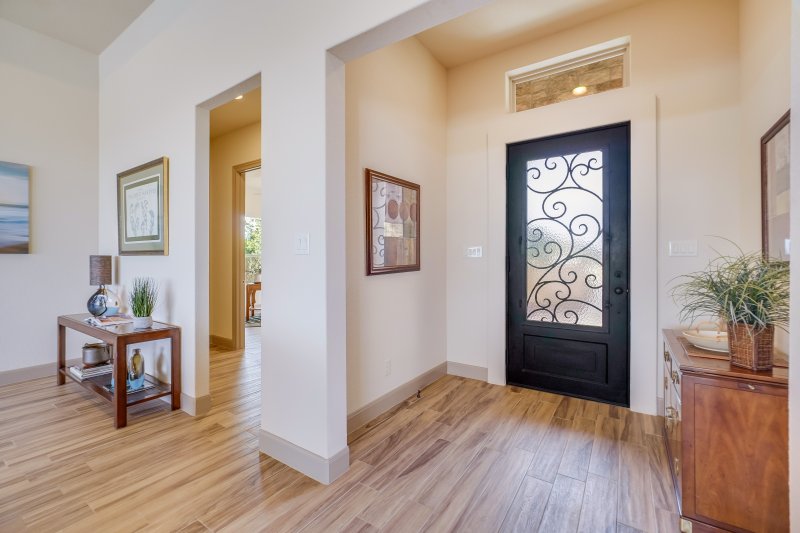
{"x": 393, "y": 224}
{"x": 14, "y": 208}
{"x": 143, "y": 209}
{"x": 775, "y": 201}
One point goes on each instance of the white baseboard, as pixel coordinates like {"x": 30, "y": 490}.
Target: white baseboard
{"x": 312, "y": 465}
{"x": 467, "y": 371}
{"x": 10, "y": 377}
{"x": 394, "y": 397}
{"x": 195, "y": 406}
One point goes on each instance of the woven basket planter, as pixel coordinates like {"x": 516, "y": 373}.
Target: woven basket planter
{"x": 751, "y": 348}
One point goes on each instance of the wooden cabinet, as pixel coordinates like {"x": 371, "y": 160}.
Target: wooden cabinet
{"x": 727, "y": 438}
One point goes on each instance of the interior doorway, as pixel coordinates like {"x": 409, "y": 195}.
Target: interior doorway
{"x": 234, "y": 220}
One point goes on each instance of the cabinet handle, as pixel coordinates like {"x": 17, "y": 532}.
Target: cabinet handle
{"x": 677, "y": 464}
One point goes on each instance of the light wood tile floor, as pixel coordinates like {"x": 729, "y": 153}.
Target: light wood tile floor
{"x": 466, "y": 456}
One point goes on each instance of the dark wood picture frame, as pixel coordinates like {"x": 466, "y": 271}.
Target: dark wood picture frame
{"x": 777, "y": 128}
{"x": 408, "y": 212}
{"x": 156, "y": 171}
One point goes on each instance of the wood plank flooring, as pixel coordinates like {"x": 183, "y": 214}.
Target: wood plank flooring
{"x": 466, "y": 456}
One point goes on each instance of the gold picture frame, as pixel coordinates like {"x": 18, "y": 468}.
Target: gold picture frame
{"x": 143, "y": 209}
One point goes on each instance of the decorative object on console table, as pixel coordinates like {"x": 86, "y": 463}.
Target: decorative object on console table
{"x": 775, "y": 203}
{"x": 143, "y": 209}
{"x": 136, "y": 370}
{"x": 143, "y": 299}
{"x": 96, "y": 353}
{"x": 392, "y": 224}
{"x": 15, "y": 210}
{"x": 104, "y": 301}
{"x": 750, "y": 293}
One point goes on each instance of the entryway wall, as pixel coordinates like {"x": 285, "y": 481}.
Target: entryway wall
{"x": 395, "y": 123}
{"x": 702, "y": 142}
{"x": 227, "y": 151}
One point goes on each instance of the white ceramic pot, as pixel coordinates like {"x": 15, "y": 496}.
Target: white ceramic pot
{"x": 142, "y": 322}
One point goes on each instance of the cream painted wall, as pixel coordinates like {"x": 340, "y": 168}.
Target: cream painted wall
{"x": 151, "y": 80}
{"x": 396, "y": 123}
{"x": 234, "y": 148}
{"x": 48, "y": 105}
{"x": 692, "y": 76}
{"x": 764, "y": 30}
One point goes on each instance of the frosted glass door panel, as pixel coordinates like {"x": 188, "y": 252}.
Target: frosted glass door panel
{"x": 565, "y": 239}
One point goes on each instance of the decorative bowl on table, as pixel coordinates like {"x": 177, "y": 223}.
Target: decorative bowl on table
{"x": 708, "y": 339}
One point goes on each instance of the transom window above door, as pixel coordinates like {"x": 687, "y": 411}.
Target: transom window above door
{"x": 589, "y": 71}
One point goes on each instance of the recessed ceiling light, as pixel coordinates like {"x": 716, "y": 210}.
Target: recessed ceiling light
{"x": 580, "y": 90}
{"x": 242, "y": 96}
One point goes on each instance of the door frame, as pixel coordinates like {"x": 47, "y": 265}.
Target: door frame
{"x": 620, "y": 105}
{"x": 237, "y": 245}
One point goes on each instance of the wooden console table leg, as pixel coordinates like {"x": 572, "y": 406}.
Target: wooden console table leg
{"x": 175, "y": 368}
{"x": 120, "y": 384}
{"x": 62, "y": 354}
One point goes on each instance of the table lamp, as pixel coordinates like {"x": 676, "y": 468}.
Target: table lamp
{"x": 103, "y": 301}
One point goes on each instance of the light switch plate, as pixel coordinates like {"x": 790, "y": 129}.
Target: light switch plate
{"x": 683, "y": 248}
{"x": 301, "y": 244}
{"x": 475, "y": 251}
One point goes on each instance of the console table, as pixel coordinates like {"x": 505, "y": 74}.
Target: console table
{"x": 119, "y": 337}
{"x": 727, "y": 441}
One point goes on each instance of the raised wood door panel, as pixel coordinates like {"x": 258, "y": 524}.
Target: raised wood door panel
{"x": 735, "y": 454}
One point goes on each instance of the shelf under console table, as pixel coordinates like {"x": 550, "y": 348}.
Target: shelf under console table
{"x": 119, "y": 337}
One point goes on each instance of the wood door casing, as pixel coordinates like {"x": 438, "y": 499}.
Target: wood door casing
{"x": 733, "y": 423}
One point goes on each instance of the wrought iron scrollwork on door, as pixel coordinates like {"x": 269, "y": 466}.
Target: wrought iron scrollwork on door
{"x": 565, "y": 239}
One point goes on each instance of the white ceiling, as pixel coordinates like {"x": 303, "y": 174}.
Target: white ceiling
{"x": 504, "y": 24}
{"x": 88, "y": 24}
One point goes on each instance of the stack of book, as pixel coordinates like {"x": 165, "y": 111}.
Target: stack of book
{"x": 86, "y": 372}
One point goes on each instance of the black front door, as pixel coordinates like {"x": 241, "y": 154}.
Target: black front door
{"x": 567, "y": 263}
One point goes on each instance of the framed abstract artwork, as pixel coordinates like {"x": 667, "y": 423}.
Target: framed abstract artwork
{"x": 775, "y": 201}
{"x": 393, "y": 224}
{"x": 15, "y": 208}
{"x": 143, "y": 209}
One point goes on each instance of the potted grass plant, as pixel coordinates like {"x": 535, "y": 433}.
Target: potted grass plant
{"x": 748, "y": 292}
{"x": 143, "y": 299}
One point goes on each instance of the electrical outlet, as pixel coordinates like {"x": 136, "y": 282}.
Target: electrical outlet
{"x": 388, "y": 367}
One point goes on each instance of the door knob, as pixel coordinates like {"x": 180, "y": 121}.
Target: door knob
{"x": 618, "y": 290}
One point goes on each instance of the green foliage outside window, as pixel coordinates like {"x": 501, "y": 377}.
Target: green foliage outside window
{"x": 252, "y": 248}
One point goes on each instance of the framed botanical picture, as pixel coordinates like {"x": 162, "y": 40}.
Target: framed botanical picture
{"x": 142, "y": 209}
{"x": 393, "y": 224}
{"x": 775, "y": 199}
{"x": 14, "y": 208}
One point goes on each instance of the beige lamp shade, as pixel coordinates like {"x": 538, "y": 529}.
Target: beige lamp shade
{"x": 99, "y": 270}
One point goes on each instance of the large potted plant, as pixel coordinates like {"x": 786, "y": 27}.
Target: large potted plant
{"x": 747, "y": 291}
{"x": 143, "y": 299}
